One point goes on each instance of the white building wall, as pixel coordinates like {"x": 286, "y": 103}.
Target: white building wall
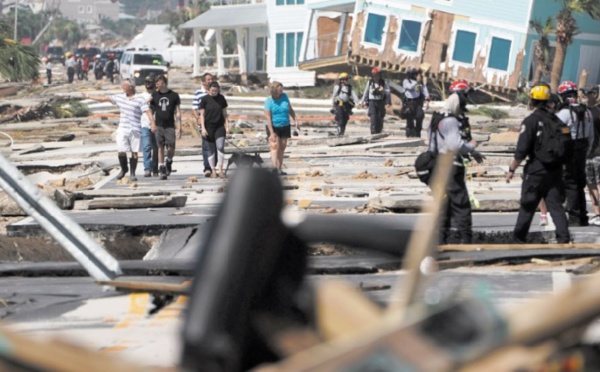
{"x": 286, "y": 18}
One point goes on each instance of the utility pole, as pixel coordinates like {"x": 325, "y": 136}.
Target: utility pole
{"x": 16, "y": 17}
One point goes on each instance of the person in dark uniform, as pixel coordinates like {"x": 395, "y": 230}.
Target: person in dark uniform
{"x": 579, "y": 120}
{"x": 416, "y": 94}
{"x": 377, "y": 98}
{"x": 543, "y": 172}
{"x": 448, "y": 135}
{"x": 343, "y": 100}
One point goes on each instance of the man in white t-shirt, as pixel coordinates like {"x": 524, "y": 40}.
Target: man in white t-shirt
{"x": 129, "y": 132}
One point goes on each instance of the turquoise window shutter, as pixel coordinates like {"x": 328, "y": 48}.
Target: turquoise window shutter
{"x": 290, "y": 49}
{"x": 464, "y": 46}
{"x": 499, "y": 54}
{"x": 374, "y": 31}
{"x": 410, "y": 33}
{"x": 290, "y": 2}
{"x": 279, "y": 50}
{"x": 279, "y": 2}
{"x": 299, "y": 37}
{"x": 299, "y": 2}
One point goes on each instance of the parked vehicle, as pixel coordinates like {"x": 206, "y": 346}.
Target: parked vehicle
{"x": 137, "y": 65}
{"x": 56, "y": 54}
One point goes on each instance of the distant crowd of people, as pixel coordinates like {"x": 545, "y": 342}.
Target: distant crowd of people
{"x": 79, "y": 66}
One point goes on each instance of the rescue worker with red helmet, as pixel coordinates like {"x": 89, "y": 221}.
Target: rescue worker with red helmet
{"x": 377, "y": 98}
{"x": 343, "y": 100}
{"x": 447, "y": 134}
{"x": 579, "y": 120}
{"x": 545, "y": 142}
{"x": 415, "y": 95}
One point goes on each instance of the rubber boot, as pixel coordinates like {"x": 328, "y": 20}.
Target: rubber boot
{"x": 132, "y": 166}
{"x": 169, "y": 165}
{"x": 124, "y": 167}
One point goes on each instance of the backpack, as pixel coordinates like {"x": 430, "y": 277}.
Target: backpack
{"x": 553, "y": 143}
{"x": 379, "y": 94}
{"x": 427, "y": 160}
{"x": 350, "y": 102}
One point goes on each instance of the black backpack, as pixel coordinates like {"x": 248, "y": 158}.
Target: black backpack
{"x": 553, "y": 143}
{"x": 426, "y": 161}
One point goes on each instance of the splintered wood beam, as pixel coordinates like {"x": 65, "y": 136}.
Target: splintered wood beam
{"x": 422, "y": 243}
{"x": 149, "y": 287}
{"x": 508, "y": 247}
{"x": 57, "y": 355}
{"x": 342, "y": 310}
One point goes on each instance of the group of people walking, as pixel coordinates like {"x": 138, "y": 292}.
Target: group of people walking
{"x": 559, "y": 141}
{"x": 149, "y": 123}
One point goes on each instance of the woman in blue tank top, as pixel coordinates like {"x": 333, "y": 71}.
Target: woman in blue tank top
{"x": 278, "y": 111}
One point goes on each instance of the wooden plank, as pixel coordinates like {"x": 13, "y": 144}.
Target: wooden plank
{"x": 149, "y": 287}
{"x": 422, "y": 242}
{"x": 503, "y": 247}
{"x": 56, "y": 355}
{"x": 132, "y": 203}
{"x": 116, "y": 193}
{"x": 47, "y": 145}
{"x": 342, "y": 310}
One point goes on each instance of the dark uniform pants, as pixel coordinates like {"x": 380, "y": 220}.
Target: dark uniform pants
{"x": 575, "y": 182}
{"x": 49, "y": 75}
{"x": 416, "y": 116}
{"x": 458, "y": 208}
{"x": 342, "y": 115}
{"x": 548, "y": 185}
{"x": 376, "y": 113}
{"x": 70, "y": 74}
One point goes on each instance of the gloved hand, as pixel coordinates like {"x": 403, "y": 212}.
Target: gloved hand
{"x": 477, "y": 156}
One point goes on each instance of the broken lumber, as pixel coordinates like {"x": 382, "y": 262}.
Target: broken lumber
{"x": 132, "y": 203}
{"x": 502, "y": 247}
{"x": 345, "y": 141}
{"x": 147, "y": 287}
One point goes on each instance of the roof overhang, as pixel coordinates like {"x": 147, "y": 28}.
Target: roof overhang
{"x": 230, "y": 17}
{"x": 342, "y": 6}
{"x": 320, "y": 65}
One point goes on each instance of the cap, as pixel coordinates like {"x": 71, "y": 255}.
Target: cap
{"x": 412, "y": 70}
{"x": 375, "y": 70}
{"x": 460, "y": 86}
{"x": 343, "y": 75}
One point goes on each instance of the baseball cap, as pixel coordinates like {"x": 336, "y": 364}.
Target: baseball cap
{"x": 375, "y": 70}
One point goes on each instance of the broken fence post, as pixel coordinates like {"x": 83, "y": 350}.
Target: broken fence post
{"x": 93, "y": 257}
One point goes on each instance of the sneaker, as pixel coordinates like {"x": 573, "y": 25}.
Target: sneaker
{"x": 595, "y": 221}
{"x": 168, "y": 165}
{"x": 207, "y": 173}
{"x": 147, "y": 174}
{"x": 163, "y": 172}
{"x": 543, "y": 220}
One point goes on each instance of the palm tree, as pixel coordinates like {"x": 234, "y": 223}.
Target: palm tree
{"x": 566, "y": 29}
{"x": 18, "y": 62}
{"x": 542, "y": 47}
{"x": 67, "y": 31}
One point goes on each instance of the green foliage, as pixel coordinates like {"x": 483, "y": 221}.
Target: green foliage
{"x": 126, "y": 28}
{"x": 490, "y": 112}
{"x": 523, "y": 98}
{"x": 67, "y": 31}
{"x": 18, "y": 62}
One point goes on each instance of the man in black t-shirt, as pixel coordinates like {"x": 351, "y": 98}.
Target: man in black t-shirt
{"x": 166, "y": 104}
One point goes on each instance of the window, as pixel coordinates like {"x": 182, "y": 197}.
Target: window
{"x": 410, "y": 33}
{"x": 80, "y": 9}
{"x": 287, "y": 48}
{"x": 464, "y": 46}
{"x": 374, "y": 29}
{"x": 289, "y": 2}
{"x": 90, "y": 9}
{"x": 499, "y": 54}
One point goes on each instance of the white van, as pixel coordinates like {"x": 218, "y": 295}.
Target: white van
{"x": 136, "y": 65}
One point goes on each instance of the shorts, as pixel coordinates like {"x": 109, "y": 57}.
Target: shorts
{"x": 592, "y": 171}
{"x": 129, "y": 141}
{"x": 281, "y": 132}
{"x": 165, "y": 136}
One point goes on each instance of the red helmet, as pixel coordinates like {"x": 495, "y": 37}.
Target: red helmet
{"x": 460, "y": 86}
{"x": 567, "y": 87}
{"x": 375, "y": 70}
